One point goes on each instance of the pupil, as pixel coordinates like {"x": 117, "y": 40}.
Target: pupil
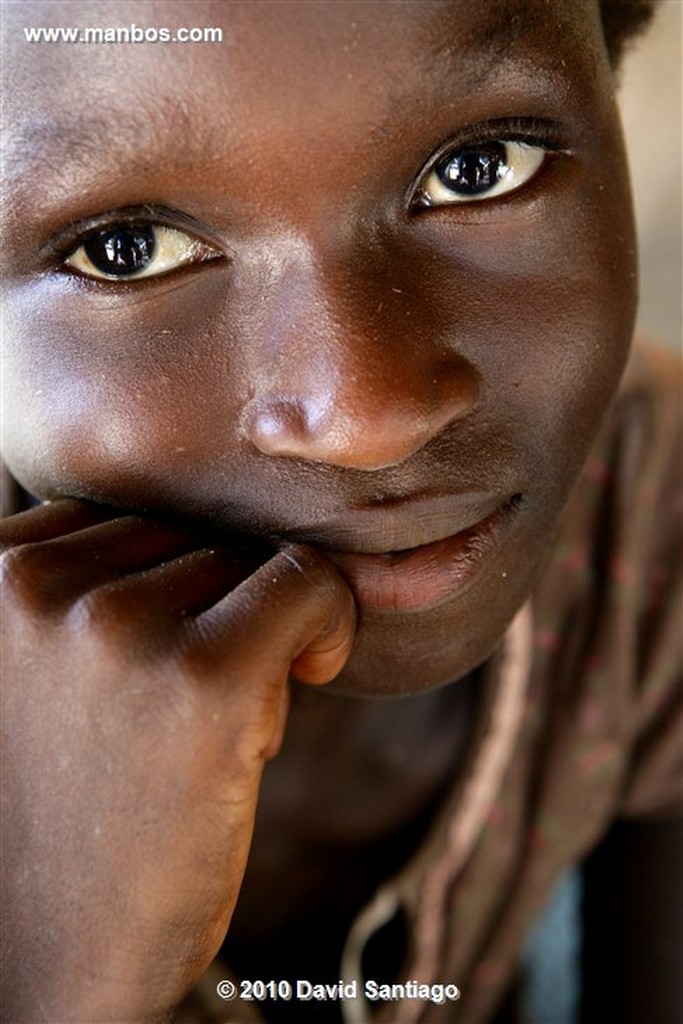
{"x": 121, "y": 250}
{"x": 470, "y": 171}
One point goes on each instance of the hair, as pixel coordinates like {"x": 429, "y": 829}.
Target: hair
{"x": 623, "y": 21}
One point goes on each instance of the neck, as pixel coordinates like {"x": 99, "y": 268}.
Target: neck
{"x": 346, "y": 802}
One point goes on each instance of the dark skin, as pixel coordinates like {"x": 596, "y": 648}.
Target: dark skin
{"x": 337, "y": 366}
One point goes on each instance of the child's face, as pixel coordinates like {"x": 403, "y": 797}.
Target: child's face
{"x": 356, "y": 369}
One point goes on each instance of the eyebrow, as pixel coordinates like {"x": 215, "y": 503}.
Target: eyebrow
{"x": 78, "y": 141}
{"x": 503, "y": 23}
{"x": 509, "y": 21}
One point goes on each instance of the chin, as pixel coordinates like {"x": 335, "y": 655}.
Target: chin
{"x": 404, "y": 654}
{"x": 400, "y": 656}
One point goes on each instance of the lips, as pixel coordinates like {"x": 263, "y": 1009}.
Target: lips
{"x": 401, "y": 577}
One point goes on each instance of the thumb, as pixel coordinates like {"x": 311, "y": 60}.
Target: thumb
{"x": 300, "y": 603}
{"x": 325, "y": 655}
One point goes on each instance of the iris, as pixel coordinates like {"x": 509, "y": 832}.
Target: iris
{"x": 471, "y": 171}
{"x": 121, "y": 250}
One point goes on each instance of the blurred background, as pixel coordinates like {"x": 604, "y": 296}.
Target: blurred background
{"x": 650, "y": 98}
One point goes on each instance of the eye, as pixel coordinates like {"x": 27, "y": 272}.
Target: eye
{"x": 477, "y": 172}
{"x": 131, "y": 251}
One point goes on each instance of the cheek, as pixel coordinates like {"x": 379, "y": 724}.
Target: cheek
{"x": 542, "y": 301}
{"x": 104, "y": 405}
{"x": 115, "y": 399}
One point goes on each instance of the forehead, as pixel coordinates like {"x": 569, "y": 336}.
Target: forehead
{"x": 301, "y": 55}
{"x": 285, "y": 75}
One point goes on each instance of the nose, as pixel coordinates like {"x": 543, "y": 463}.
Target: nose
{"x": 355, "y": 384}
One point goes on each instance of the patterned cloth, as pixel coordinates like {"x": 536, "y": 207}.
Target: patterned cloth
{"x": 581, "y": 724}
{"x": 598, "y": 737}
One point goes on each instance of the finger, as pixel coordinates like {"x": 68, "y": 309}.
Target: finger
{"x": 272, "y": 746}
{"x": 235, "y": 612}
{"x": 53, "y": 519}
{"x": 53, "y": 574}
{"x": 181, "y": 588}
{"x": 294, "y": 609}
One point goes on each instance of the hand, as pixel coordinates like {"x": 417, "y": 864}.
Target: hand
{"x": 144, "y": 687}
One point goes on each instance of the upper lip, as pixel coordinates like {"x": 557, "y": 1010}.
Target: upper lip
{"x": 398, "y": 526}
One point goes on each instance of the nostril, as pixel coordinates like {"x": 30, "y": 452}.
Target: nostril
{"x": 358, "y": 422}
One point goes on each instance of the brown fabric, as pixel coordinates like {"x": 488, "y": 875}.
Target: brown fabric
{"x": 600, "y": 734}
{"x": 603, "y": 720}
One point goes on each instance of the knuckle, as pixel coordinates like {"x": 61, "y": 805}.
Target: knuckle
{"x": 109, "y": 616}
{"x": 307, "y": 560}
{"x": 91, "y": 613}
{"x": 312, "y": 565}
{"x": 23, "y": 573}
{"x": 194, "y": 658}
{"x": 94, "y": 612}
{"x": 328, "y": 591}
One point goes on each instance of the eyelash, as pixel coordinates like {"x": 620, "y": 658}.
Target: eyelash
{"x": 528, "y": 132}
{"x": 171, "y": 225}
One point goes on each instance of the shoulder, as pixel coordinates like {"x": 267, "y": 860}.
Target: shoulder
{"x": 628, "y": 500}
{"x": 612, "y": 595}
{"x": 644, "y": 443}
{"x": 653, "y": 390}
{"x": 649, "y": 400}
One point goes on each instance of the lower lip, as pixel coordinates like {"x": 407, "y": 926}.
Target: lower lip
{"x": 420, "y": 578}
